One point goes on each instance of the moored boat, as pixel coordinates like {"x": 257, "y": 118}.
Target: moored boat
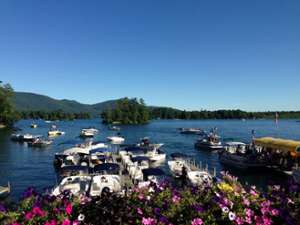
{"x": 209, "y": 142}
{"x": 88, "y": 132}
{"x": 116, "y": 139}
{"x": 5, "y": 190}
{"x": 40, "y": 142}
{"x": 76, "y": 185}
{"x": 239, "y": 155}
{"x": 33, "y": 125}
{"x": 197, "y": 131}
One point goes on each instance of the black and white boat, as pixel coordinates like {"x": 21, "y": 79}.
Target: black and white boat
{"x": 241, "y": 156}
{"x": 209, "y": 142}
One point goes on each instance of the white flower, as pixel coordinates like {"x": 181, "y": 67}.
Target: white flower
{"x": 225, "y": 209}
{"x": 81, "y": 217}
{"x": 231, "y": 216}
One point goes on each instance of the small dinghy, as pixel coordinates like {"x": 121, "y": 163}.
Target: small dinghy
{"x": 77, "y": 185}
{"x": 5, "y": 191}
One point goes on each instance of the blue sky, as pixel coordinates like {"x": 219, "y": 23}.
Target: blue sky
{"x": 184, "y": 54}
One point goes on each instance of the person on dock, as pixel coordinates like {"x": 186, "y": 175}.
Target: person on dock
{"x": 183, "y": 176}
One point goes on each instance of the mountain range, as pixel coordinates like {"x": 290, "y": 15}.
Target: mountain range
{"x": 25, "y": 101}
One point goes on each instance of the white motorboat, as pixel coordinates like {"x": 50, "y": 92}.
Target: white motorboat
{"x": 88, "y": 132}
{"x": 199, "y": 178}
{"x": 145, "y": 144}
{"x": 236, "y": 154}
{"x": 105, "y": 183}
{"x": 136, "y": 166}
{"x": 156, "y": 155}
{"x": 210, "y": 142}
{"x": 55, "y": 132}
{"x": 107, "y": 179}
{"x": 5, "y": 190}
{"x": 77, "y": 185}
{"x": 116, "y": 139}
{"x": 152, "y": 175}
{"x": 39, "y": 142}
{"x": 192, "y": 131}
{"x": 177, "y": 165}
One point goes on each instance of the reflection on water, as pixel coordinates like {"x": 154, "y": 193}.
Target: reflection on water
{"x": 24, "y": 166}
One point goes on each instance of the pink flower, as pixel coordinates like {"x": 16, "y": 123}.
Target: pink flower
{"x": 246, "y": 202}
{"x": 29, "y": 216}
{"x": 175, "y": 199}
{"x": 141, "y": 196}
{"x": 248, "y": 220}
{"x": 148, "y": 221}
{"x": 52, "y": 222}
{"x": 197, "y": 221}
{"x": 69, "y": 209}
{"x": 252, "y": 192}
{"x": 15, "y": 224}
{"x": 274, "y": 212}
{"x": 139, "y": 211}
{"x": 249, "y": 212}
{"x": 66, "y": 222}
{"x": 267, "y": 221}
{"x": 239, "y": 221}
{"x": 38, "y": 212}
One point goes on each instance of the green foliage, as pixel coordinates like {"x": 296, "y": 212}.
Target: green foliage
{"x": 54, "y": 115}
{"x": 7, "y": 112}
{"x": 127, "y": 111}
{"x": 170, "y": 113}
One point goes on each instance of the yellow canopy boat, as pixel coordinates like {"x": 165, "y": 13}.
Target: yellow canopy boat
{"x": 286, "y": 145}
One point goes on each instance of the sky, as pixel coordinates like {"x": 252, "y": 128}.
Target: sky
{"x": 185, "y": 54}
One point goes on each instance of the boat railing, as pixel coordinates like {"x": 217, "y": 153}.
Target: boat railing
{"x": 198, "y": 166}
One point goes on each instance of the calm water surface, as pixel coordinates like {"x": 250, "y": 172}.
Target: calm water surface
{"x": 24, "y": 166}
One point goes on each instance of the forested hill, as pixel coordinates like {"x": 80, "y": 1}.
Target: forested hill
{"x": 34, "y": 102}
{"x": 24, "y": 101}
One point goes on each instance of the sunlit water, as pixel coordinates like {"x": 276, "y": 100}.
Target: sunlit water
{"x": 23, "y": 166}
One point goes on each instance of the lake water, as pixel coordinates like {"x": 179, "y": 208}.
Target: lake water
{"x": 24, "y": 166}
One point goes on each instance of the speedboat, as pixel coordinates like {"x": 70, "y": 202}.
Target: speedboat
{"x": 152, "y": 175}
{"x": 210, "y": 142}
{"x": 73, "y": 170}
{"x": 55, "y": 132}
{"x": 24, "y": 137}
{"x": 88, "y": 132}
{"x": 199, "y": 178}
{"x": 106, "y": 179}
{"x": 135, "y": 167}
{"x": 176, "y": 166}
{"x": 116, "y": 139}
{"x": 145, "y": 143}
{"x": 156, "y": 155}
{"x": 5, "y": 190}
{"x": 77, "y": 185}
{"x": 39, "y": 142}
{"x": 192, "y": 131}
{"x": 239, "y": 155}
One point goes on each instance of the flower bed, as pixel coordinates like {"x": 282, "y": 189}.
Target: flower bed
{"x": 226, "y": 202}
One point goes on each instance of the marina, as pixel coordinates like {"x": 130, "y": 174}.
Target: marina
{"x": 41, "y": 172}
